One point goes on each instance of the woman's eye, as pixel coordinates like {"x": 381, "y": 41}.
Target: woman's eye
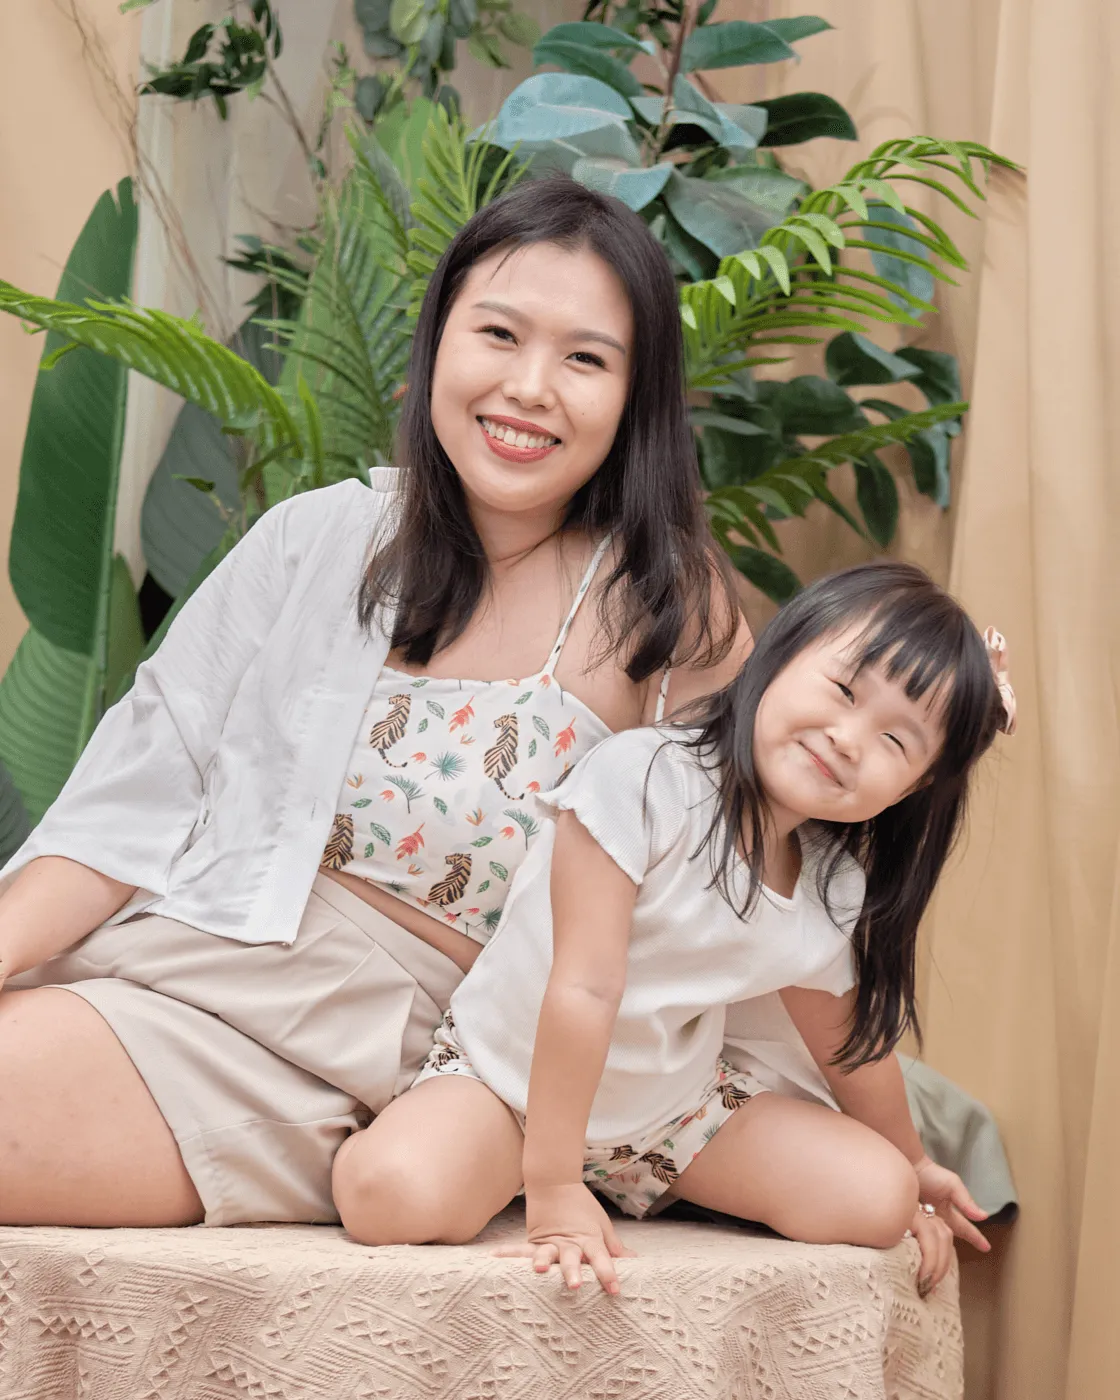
{"x": 844, "y": 691}
{"x": 585, "y": 357}
{"x": 500, "y": 331}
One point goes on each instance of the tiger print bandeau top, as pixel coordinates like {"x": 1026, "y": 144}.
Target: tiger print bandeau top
{"x": 437, "y": 806}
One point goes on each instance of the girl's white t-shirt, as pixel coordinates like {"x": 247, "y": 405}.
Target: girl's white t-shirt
{"x": 648, "y": 799}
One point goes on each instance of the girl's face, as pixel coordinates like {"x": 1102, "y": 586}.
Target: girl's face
{"x": 836, "y": 746}
{"x": 531, "y": 377}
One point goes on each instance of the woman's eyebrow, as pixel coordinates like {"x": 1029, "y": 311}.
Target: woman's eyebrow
{"x": 582, "y": 334}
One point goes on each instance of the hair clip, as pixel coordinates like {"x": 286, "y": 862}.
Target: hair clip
{"x": 997, "y": 655}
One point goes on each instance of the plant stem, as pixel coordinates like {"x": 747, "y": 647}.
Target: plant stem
{"x": 687, "y": 24}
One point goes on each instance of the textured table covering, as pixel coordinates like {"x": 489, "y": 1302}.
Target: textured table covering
{"x": 302, "y": 1313}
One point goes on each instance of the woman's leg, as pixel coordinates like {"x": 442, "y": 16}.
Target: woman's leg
{"x": 806, "y": 1171}
{"x": 435, "y": 1167}
{"x": 81, "y": 1139}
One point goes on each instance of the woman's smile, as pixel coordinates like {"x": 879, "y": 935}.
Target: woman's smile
{"x": 515, "y": 440}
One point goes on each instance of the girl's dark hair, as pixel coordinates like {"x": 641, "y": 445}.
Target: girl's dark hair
{"x": 647, "y": 490}
{"x": 922, "y": 636}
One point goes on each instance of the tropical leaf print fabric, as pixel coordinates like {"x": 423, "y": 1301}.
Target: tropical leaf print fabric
{"x": 439, "y": 806}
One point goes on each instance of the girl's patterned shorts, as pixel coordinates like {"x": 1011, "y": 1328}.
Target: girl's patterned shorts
{"x": 638, "y": 1176}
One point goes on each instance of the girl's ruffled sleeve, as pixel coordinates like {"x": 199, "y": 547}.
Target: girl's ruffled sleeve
{"x": 629, "y": 794}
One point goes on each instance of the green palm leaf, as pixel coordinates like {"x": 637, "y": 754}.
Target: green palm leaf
{"x": 797, "y": 281}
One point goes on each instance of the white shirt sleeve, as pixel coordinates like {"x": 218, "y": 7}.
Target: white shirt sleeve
{"x": 629, "y": 794}
{"x": 837, "y": 970}
{"x": 132, "y": 801}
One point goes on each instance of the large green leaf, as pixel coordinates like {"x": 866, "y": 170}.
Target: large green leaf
{"x": 68, "y": 473}
{"x": 636, "y": 188}
{"x": 904, "y": 272}
{"x": 732, "y": 45}
{"x": 716, "y": 214}
{"x": 590, "y": 36}
{"x": 549, "y": 106}
{"x": 811, "y": 405}
{"x": 180, "y": 525}
{"x": 592, "y": 62}
{"x": 766, "y": 571}
{"x": 42, "y": 703}
{"x": 802, "y": 116}
{"x": 853, "y": 359}
{"x": 878, "y": 498}
{"x": 15, "y": 824}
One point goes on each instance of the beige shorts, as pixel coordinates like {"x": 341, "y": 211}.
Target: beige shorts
{"x": 264, "y": 1058}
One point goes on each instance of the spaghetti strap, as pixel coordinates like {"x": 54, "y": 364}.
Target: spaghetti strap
{"x": 662, "y": 696}
{"x": 596, "y": 560}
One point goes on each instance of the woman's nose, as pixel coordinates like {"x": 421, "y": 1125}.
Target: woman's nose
{"x": 529, "y": 381}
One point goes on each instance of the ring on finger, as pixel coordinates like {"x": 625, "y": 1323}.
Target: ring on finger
{"x": 927, "y": 1209}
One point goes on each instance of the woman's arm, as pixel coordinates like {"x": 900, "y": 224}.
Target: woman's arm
{"x": 592, "y": 906}
{"x": 51, "y": 904}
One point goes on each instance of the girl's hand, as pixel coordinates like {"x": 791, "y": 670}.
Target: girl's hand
{"x": 935, "y": 1240}
{"x": 566, "y": 1225}
{"x": 946, "y": 1192}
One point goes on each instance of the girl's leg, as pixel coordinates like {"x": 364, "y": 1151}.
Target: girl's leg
{"x": 806, "y": 1171}
{"x": 81, "y": 1139}
{"x": 433, "y": 1168}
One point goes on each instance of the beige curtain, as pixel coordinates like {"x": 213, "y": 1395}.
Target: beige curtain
{"x": 1022, "y": 990}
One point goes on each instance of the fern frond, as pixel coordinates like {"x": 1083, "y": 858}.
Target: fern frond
{"x": 797, "y": 278}
{"x": 173, "y": 352}
{"x": 449, "y": 192}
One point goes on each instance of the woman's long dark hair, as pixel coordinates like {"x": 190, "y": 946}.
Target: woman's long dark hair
{"x": 920, "y": 635}
{"x": 647, "y": 491}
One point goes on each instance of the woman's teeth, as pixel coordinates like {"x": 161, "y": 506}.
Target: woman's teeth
{"x": 513, "y": 438}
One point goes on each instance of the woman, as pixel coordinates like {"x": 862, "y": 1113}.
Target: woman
{"x": 230, "y": 940}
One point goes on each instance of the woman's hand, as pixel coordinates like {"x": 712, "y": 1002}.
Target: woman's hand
{"x": 566, "y": 1225}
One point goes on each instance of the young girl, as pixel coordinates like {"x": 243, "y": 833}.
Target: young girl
{"x": 789, "y": 840}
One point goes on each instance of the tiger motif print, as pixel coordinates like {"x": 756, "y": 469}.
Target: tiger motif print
{"x": 498, "y": 762}
{"x": 732, "y": 1097}
{"x": 622, "y": 1154}
{"x": 452, "y": 887}
{"x": 390, "y": 730}
{"x": 339, "y": 850}
{"x": 662, "y": 1167}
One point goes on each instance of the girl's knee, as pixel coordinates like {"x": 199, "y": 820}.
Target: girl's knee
{"x": 889, "y": 1200}
{"x": 391, "y": 1196}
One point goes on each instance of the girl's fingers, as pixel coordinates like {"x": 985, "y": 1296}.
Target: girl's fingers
{"x": 544, "y": 1256}
{"x": 617, "y": 1249}
{"x": 960, "y": 1198}
{"x": 598, "y": 1256}
{"x": 964, "y": 1229}
{"x": 571, "y": 1264}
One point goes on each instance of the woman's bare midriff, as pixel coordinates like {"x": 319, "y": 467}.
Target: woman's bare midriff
{"x": 461, "y": 950}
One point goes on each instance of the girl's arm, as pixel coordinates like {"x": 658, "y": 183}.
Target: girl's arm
{"x": 592, "y": 906}
{"x": 876, "y": 1096}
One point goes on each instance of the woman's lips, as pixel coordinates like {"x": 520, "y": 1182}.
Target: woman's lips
{"x": 515, "y": 454}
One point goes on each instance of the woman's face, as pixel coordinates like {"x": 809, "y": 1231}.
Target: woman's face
{"x": 531, "y": 377}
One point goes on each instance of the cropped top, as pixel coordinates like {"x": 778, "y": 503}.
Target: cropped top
{"x": 438, "y": 802}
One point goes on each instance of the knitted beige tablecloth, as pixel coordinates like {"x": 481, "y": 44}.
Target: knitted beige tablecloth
{"x": 302, "y": 1313}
